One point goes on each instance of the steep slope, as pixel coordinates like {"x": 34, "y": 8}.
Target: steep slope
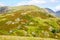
{"x": 57, "y": 13}
{"x": 29, "y": 21}
{"x": 49, "y": 10}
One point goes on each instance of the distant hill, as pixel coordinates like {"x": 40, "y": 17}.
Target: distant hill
{"x": 58, "y": 13}
{"x": 49, "y": 10}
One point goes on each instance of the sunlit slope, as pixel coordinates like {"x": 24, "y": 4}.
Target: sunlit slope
{"x": 29, "y": 21}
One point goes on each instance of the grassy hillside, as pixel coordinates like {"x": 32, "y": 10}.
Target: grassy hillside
{"x": 29, "y": 21}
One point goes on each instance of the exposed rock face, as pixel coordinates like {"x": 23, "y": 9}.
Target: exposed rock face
{"x": 57, "y": 13}
{"x": 49, "y": 10}
{"x": 4, "y": 9}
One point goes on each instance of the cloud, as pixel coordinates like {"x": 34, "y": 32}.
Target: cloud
{"x": 54, "y": 1}
{"x": 57, "y": 7}
{"x": 2, "y": 4}
{"x": 32, "y": 2}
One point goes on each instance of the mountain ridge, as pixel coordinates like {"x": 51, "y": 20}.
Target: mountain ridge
{"x": 5, "y": 9}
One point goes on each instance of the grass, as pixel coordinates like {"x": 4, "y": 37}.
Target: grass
{"x": 30, "y": 21}
{"x": 23, "y": 38}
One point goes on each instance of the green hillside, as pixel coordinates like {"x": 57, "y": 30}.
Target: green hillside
{"x": 29, "y": 21}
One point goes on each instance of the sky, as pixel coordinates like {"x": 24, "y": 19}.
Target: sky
{"x": 52, "y": 4}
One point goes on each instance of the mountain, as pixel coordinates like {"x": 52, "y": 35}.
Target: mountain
{"x": 29, "y": 21}
{"x": 58, "y": 13}
{"x": 49, "y": 10}
{"x": 5, "y": 9}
